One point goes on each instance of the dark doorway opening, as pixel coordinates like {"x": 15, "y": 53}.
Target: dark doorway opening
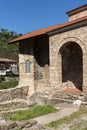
{"x": 72, "y": 64}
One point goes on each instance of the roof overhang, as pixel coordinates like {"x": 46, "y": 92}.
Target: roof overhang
{"x": 67, "y": 28}
{"x": 53, "y": 29}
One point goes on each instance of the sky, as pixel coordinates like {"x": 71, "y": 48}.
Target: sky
{"x": 23, "y": 16}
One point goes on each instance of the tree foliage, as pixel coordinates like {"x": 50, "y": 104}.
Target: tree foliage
{"x": 6, "y": 50}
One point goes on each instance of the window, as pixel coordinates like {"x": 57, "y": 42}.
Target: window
{"x": 27, "y": 66}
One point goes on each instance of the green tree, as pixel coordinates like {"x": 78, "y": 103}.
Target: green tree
{"x": 6, "y": 50}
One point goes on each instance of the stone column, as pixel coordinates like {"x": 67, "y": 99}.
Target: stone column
{"x": 59, "y": 70}
{"x": 85, "y": 72}
{"x": 55, "y": 66}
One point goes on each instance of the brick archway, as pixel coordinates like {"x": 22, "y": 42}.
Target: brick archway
{"x": 72, "y": 39}
{"x": 82, "y": 49}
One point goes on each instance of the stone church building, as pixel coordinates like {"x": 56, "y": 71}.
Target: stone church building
{"x": 55, "y": 57}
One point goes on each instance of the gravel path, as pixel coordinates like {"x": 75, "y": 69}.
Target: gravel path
{"x": 57, "y": 115}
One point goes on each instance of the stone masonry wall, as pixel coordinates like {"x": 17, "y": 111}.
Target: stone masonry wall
{"x": 78, "y": 36}
{"x": 37, "y": 52}
{"x": 78, "y": 15}
{"x": 26, "y": 53}
{"x": 13, "y": 93}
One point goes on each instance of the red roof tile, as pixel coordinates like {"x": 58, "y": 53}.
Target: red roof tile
{"x": 70, "y": 90}
{"x": 7, "y": 60}
{"x": 47, "y": 30}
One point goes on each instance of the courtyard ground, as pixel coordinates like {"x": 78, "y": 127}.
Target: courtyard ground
{"x": 68, "y": 118}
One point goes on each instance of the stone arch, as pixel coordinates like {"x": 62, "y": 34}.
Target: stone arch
{"x": 72, "y": 39}
{"x": 74, "y": 74}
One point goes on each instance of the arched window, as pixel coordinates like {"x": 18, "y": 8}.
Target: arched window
{"x": 27, "y": 66}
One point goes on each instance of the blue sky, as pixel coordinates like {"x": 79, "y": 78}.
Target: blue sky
{"x": 23, "y": 16}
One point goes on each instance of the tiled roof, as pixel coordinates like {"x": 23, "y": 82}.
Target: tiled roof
{"x": 77, "y": 10}
{"x": 47, "y": 30}
{"x": 70, "y": 90}
{"x": 7, "y": 60}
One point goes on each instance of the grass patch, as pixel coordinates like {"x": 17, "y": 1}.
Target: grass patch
{"x": 10, "y": 84}
{"x": 33, "y": 112}
{"x": 68, "y": 119}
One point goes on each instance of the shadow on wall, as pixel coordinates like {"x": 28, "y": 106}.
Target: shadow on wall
{"x": 41, "y": 52}
{"x": 41, "y": 55}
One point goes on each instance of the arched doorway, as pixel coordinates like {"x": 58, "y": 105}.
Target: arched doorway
{"x": 72, "y": 64}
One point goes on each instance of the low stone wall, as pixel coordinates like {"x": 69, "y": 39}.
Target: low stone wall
{"x": 15, "y": 104}
{"x": 17, "y": 92}
{"x": 58, "y": 97}
{"x": 71, "y": 96}
{"x": 16, "y": 125}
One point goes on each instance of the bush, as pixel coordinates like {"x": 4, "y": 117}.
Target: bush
{"x": 2, "y": 78}
{"x": 10, "y": 84}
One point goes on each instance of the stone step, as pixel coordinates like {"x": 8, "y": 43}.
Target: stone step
{"x": 43, "y": 100}
{"x": 5, "y": 112}
{"x": 59, "y": 101}
{"x": 16, "y": 104}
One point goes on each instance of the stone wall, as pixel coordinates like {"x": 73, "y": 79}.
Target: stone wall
{"x": 13, "y": 93}
{"x": 37, "y": 52}
{"x": 26, "y": 53}
{"x": 79, "y": 36}
{"x": 78, "y": 15}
